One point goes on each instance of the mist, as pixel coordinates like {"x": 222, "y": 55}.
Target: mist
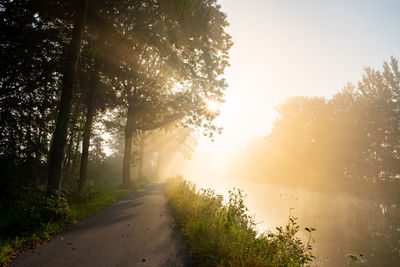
{"x": 297, "y": 104}
{"x": 331, "y": 162}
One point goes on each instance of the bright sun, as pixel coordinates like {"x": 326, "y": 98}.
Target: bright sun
{"x": 212, "y": 106}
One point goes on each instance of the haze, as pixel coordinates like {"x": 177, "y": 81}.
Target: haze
{"x": 297, "y": 103}
{"x": 290, "y": 48}
{"x": 284, "y": 49}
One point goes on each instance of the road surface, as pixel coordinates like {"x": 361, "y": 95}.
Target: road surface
{"x": 136, "y": 231}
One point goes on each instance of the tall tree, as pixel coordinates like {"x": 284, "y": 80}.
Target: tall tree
{"x": 33, "y": 38}
{"x": 191, "y": 49}
{"x": 60, "y": 133}
{"x": 90, "y": 114}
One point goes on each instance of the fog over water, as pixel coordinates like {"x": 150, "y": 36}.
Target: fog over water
{"x": 346, "y": 222}
{"x": 329, "y": 213}
{"x": 296, "y": 103}
{"x": 331, "y": 155}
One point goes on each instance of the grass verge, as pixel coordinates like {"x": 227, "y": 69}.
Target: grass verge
{"x": 218, "y": 234}
{"x": 33, "y": 224}
{"x": 102, "y": 199}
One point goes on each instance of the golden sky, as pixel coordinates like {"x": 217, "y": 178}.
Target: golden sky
{"x": 298, "y": 47}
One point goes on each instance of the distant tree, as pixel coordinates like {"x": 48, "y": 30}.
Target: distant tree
{"x": 354, "y": 135}
{"x": 346, "y": 146}
{"x": 179, "y": 70}
{"x": 165, "y": 144}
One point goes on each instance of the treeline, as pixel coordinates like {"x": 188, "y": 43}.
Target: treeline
{"x": 71, "y": 71}
{"x": 346, "y": 147}
{"x": 352, "y": 136}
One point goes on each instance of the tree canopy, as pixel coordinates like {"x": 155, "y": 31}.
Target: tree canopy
{"x": 345, "y": 147}
{"x": 68, "y": 66}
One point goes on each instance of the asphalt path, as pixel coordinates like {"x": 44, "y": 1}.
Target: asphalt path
{"x": 136, "y": 231}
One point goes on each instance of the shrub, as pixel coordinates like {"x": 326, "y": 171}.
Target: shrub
{"x": 218, "y": 234}
{"x": 36, "y": 220}
{"x": 46, "y": 209}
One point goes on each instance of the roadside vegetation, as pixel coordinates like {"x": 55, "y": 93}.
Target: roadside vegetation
{"x": 219, "y": 233}
{"x": 33, "y": 223}
{"x": 95, "y": 95}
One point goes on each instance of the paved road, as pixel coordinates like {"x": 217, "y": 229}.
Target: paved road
{"x": 136, "y": 231}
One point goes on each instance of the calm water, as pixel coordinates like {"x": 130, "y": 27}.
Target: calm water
{"x": 343, "y": 221}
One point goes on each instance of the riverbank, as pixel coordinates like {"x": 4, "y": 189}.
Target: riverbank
{"x": 218, "y": 233}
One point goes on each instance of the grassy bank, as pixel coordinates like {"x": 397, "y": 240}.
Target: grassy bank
{"x": 34, "y": 223}
{"x": 219, "y": 234}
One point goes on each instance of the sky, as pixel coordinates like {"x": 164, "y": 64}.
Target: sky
{"x": 287, "y": 48}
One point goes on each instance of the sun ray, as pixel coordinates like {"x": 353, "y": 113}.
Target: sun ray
{"x": 213, "y": 106}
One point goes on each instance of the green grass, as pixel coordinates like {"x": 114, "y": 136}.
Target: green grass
{"x": 11, "y": 245}
{"x": 101, "y": 200}
{"x": 218, "y": 234}
{"x": 20, "y": 230}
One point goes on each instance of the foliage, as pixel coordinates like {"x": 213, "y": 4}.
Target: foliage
{"x": 159, "y": 147}
{"x": 36, "y": 214}
{"x": 49, "y": 209}
{"x": 36, "y": 222}
{"x": 219, "y": 234}
{"x": 346, "y": 146}
{"x": 99, "y": 200}
{"x": 139, "y": 60}
{"x": 352, "y": 137}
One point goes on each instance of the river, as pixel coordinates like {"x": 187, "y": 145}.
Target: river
{"x": 345, "y": 223}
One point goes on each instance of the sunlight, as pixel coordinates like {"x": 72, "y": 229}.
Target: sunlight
{"x": 257, "y": 112}
{"x": 213, "y": 106}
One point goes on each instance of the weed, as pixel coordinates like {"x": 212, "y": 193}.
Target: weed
{"x": 38, "y": 220}
{"x": 218, "y": 234}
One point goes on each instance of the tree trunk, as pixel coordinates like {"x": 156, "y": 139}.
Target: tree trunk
{"x": 126, "y": 162}
{"x": 141, "y": 156}
{"x": 158, "y": 166}
{"x": 67, "y": 160}
{"x": 60, "y": 133}
{"x": 91, "y": 111}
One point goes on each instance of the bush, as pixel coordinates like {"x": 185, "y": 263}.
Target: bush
{"x": 219, "y": 234}
{"x": 34, "y": 216}
{"x": 37, "y": 220}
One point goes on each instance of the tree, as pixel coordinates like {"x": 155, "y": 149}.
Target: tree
{"x": 191, "y": 50}
{"x": 74, "y": 62}
{"x": 32, "y": 44}
{"x": 60, "y": 132}
{"x": 166, "y": 144}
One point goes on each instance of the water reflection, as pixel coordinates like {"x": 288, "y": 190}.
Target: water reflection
{"x": 346, "y": 223}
